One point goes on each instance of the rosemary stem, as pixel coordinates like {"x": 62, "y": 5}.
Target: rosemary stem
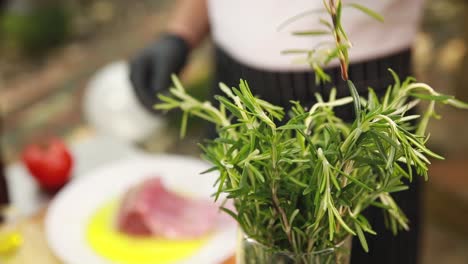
{"x": 336, "y": 33}
{"x": 280, "y": 210}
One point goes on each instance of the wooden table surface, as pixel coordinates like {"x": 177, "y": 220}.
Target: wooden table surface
{"x": 35, "y": 250}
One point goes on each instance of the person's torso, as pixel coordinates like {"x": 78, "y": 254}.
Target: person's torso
{"x": 248, "y": 30}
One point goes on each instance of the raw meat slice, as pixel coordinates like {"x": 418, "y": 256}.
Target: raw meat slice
{"x": 149, "y": 209}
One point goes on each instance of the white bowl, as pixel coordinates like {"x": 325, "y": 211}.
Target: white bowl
{"x": 112, "y": 108}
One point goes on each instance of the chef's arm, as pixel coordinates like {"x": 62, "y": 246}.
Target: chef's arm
{"x": 189, "y": 20}
{"x": 151, "y": 68}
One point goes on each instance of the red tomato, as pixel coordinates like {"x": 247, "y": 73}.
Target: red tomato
{"x": 50, "y": 164}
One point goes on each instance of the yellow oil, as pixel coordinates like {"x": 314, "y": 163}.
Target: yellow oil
{"x": 10, "y": 241}
{"x": 107, "y": 242}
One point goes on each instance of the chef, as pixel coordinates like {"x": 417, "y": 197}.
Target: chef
{"x": 248, "y": 44}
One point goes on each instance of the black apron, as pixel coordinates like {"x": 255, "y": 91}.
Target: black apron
{"x": 281, "y": 87}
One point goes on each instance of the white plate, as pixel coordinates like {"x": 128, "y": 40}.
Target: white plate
{"x": 72, "y": 208}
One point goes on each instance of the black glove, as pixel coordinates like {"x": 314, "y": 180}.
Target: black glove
{"x": 151, "y": 69}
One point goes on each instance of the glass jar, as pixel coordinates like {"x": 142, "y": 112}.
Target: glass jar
{"x": 250, "y": 251}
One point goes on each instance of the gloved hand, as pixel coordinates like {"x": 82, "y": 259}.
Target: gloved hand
{"x": 150, "y": 70}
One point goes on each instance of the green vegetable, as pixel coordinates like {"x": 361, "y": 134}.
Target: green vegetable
{"x": 315, "y": 173}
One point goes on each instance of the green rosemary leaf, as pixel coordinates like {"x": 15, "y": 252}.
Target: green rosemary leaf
{"x": 294, "y": 51}
{"x": 311, "y": 33}
{"x": 320, "y": 75}
{"x": 437, "y": 98}
{"x": 341, "y": 221}
{"x": 353, "y": 179}
{"x": 386, "y": 138}
{"x": 331, "y": 224}
{"x": 226, "y": 141}
{"x": 419, "y": 144}
{"x": 367, "y": 11}
{"x": 334, "y": 53}
{"x": 423, "y": 123}
{"x": 244, "y": 99}
{"x": 292, "y": 127}
{"x": 296, "y": 181}
{"x": 257, "y": 173}
{"x": 229, "y": 106}
{"x": 183, "y": 127}
{"x": 396, "y": 79}
{"x": 356, "y": 100}
{"x": 162, "y": 106}
{"x": 373, "y": 100}
{"x": 293, "y": 216}
{"x": 396, "y": 188}
{"x": 177, "y": 83}
{"x": 381, "y": 150}
{"x": 365, "y": 225}
{"x": 338, "y": 12}
{"x": 299, "y": 16}
{"x": 231, "y": 127}
{"x": 457, "y": 103}
{"x": 214, "y": 168}
{"x": 380, "y": 205}
{"x": 229, "y": 212}
{"x": 362, "y": 237}
{"x": 343, "y": 34}
{"x": 167, "y": 99}
{"x": 326, "y": 23}
{"x": 222, "y": 180}
{"x": 242, "y": 154}
{"x": 226, "y": 90}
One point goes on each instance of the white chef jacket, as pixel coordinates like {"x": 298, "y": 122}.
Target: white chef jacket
{"x": 248, "y": 29}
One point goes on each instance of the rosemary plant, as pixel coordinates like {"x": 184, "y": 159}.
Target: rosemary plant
{"x": 303, "y": 186}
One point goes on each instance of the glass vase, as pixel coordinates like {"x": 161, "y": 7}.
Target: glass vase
{"x": 250, "y": 251}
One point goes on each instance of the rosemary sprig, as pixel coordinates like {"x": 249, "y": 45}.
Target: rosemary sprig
{"x": 304, "y": 184}
{"x": 321, "y": 55}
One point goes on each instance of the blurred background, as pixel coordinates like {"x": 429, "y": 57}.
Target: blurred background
{"x": 51, "y": 49}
